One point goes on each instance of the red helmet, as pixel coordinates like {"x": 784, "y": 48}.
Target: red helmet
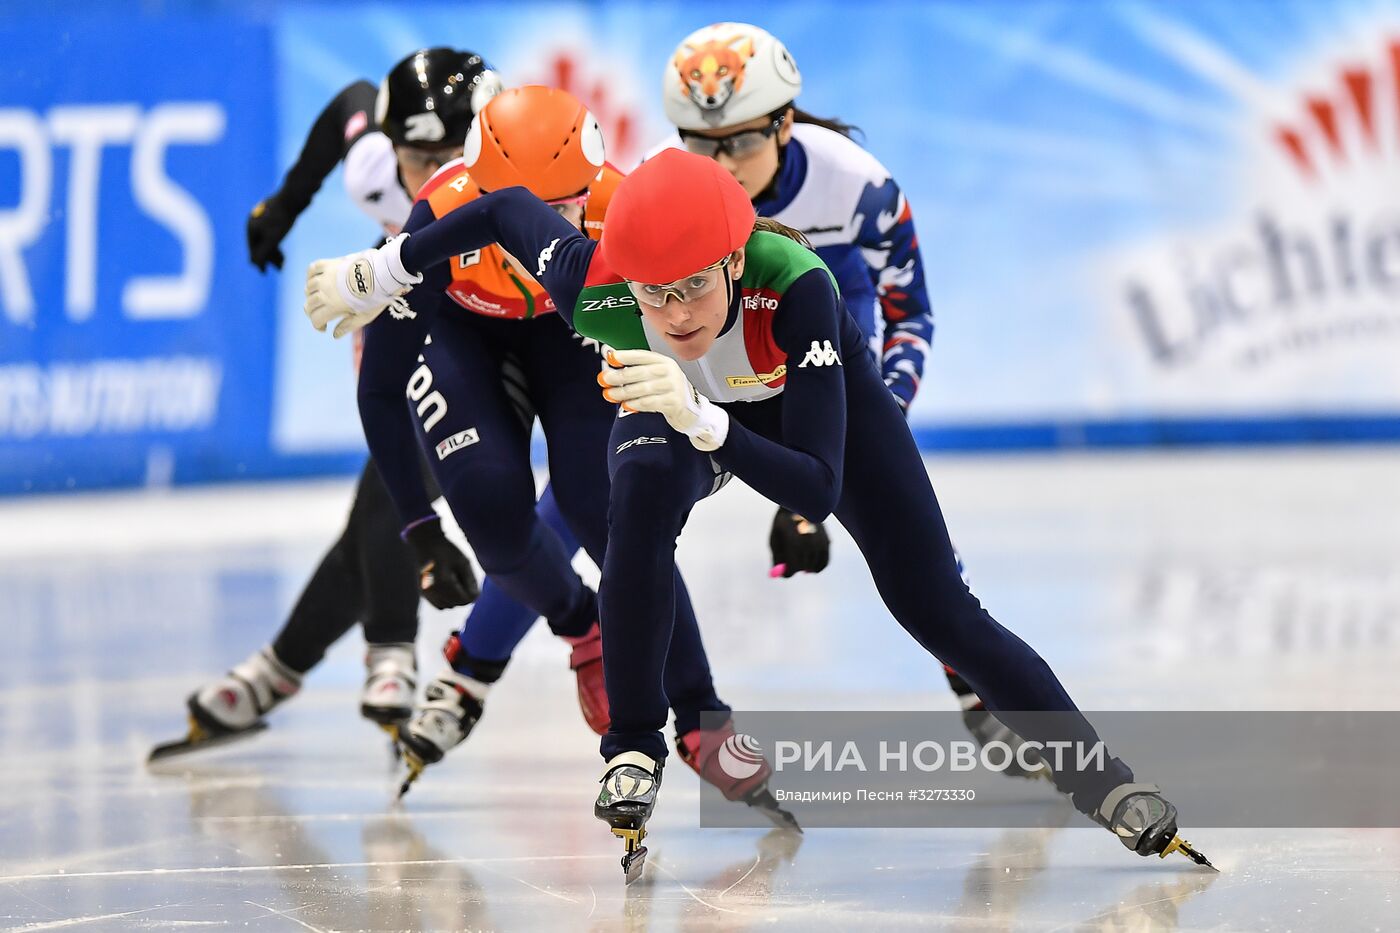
{"x": 539, "y": 137}
{"x": 676, "y": 214}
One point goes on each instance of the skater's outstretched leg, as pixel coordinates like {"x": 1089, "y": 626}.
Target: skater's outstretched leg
{"x": 912, "y": 562}
{"x": 983, "y": 725}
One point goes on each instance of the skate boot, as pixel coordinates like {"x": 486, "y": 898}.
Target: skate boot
{"x": 233, "y": 706}
{"x": 452, "y": 705}
{"x": 630, "y": 782}
{"x": 1145, "y": 822}
{"x": 391, "y": 679}
{"x": 986, "y": 728}
{"x": 586, "y": 662}
{"x": 700, "y": 749}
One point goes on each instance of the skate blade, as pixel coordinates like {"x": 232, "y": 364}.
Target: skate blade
{"x": 636, "y": 854}
{"x": 199, "y": 739}
{"x": 764, "y": 802}
{"x": 1185, "y": 848}
{"x": 632, "y": 865}
{"x": 415, "y": 770}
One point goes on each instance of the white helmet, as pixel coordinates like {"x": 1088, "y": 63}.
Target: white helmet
{"x": 726, "y": 74}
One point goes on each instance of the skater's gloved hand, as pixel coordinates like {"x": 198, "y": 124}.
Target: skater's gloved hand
{"x": 355, "y": 289}
{"x": 642, "y": 380}
{"x": 268, "y": 224}
{"x": 444, "y": 573}
{"x": 798, "y": 544}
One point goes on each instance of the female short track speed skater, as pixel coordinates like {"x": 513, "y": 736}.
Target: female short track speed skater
{"x": 390, "y": 141}
{"x": 735, "y": 355}
{"x": 731, "y": 90}
{"x": 479, "y": 312}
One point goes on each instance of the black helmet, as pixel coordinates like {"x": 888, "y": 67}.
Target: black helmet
{"x": 429, "y": 99}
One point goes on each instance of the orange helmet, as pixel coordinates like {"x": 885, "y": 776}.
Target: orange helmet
{"x": 538, "y": 137}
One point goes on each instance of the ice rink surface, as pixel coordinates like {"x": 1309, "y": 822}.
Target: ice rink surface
{"x": 1259, "y": 580}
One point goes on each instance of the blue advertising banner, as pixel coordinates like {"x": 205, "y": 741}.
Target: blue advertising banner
{"x": 135, "y": 341}
{"x": 1141, "y": 222}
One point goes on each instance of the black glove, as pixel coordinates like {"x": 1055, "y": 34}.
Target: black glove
{"x": 268, "y": 222}
{"x": 798, "y": 545}
{"x": 444, "y": 573}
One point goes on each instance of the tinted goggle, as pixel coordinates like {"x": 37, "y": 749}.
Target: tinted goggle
{"x": 692, "y": 287}
{"x": 737, "y": 146}
{"x": 561, "y": 205}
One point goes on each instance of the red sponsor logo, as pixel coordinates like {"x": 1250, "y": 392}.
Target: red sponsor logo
{"x": 1339, "y": 123}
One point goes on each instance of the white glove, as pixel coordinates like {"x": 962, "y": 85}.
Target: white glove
{"x": 645, "y": 381}
{"x": 356, "y": 289}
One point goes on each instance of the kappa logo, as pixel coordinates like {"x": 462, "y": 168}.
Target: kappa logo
{"x": 821, "y": 354}
{"x": 546, "y": 255}
{"x": 456, "y": 442}
{"x": 612, "y": 301}
{"x": 359, "y": 278}
{"x": 639, "y": 442}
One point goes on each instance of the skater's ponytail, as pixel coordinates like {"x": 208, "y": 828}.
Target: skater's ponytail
{"x": 769, "y": 225}
{"x": 847, "y": 130}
